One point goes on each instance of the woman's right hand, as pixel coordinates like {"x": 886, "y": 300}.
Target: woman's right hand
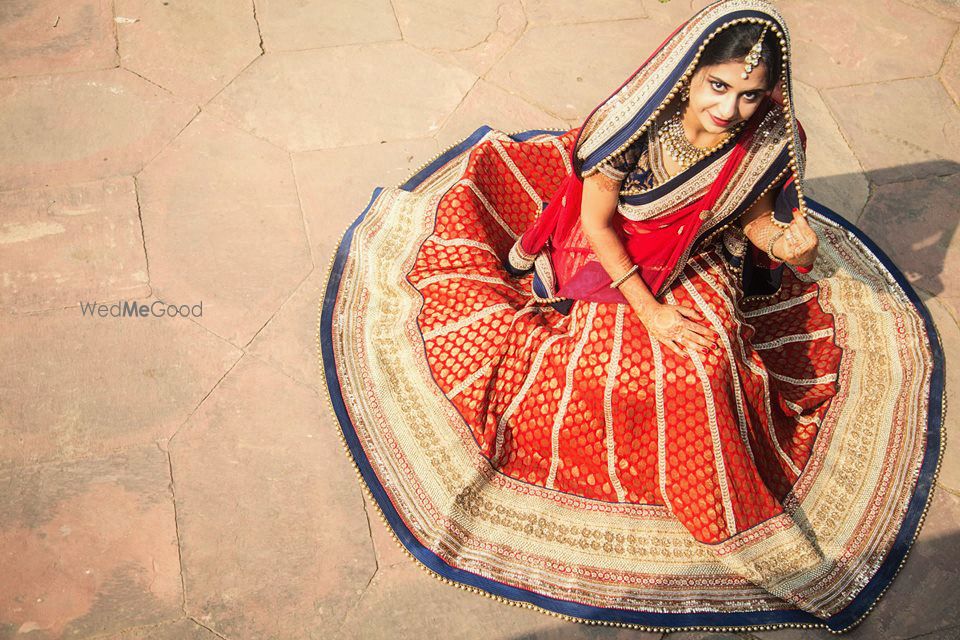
{"x": 677, "y": 327}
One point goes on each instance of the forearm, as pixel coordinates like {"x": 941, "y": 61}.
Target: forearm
{"x": 760, "y": 229}
{"x": 616, "y": 262}
{"x": 795, "y": 245}
{"x": 680, "y": 328}
{"x": 599, "y": 207}
{"x": 765, "y": 235}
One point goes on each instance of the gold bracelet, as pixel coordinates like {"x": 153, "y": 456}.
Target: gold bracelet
{"x": 619, "y": 281}
{"x": 770, "y": 246}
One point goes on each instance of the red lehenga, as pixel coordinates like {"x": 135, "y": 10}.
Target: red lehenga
{"x": 554, "y": 455}
{"x": 586, "y": 403}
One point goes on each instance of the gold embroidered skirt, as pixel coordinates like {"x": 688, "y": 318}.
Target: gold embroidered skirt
{"x": 566, "y": 462}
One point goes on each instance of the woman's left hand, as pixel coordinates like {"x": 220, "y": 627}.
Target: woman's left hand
{"x": 798, "y": 245}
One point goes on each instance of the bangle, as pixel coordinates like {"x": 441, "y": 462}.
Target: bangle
{"x": 619, "y": 281}
{"x": 770, "y": 246}
{"x": 806, "y": 269}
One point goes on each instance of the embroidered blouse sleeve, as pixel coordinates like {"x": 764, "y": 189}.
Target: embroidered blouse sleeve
{"x": 619, "y": 165}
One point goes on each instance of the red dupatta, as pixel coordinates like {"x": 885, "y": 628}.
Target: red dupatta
{"x": 655, "y": 245}
{"x": 658, "y": 243}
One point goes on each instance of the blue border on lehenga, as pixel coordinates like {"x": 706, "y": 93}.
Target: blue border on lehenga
{"x": 849, "y": 616}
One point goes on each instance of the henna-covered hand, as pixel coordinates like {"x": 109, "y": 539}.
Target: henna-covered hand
{"x": 798, "y": 245}
{"x": 677, "y": 327}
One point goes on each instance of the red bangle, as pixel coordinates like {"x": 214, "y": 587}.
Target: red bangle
{"x": 804, "y": 269}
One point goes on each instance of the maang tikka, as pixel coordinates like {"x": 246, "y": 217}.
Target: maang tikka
{"x": 753, "y": 58}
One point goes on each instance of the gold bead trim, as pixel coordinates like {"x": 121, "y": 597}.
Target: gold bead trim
{"x": 605, "y": 623}
{"x": 796, "y": 167}
{"x": 538, "y": 300}
{"x": 785, "y": 81}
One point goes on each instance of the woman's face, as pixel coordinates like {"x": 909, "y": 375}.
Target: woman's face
{"x": 720, "y": 98}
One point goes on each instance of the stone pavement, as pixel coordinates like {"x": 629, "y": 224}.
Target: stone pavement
{"x": 179, "y": 478}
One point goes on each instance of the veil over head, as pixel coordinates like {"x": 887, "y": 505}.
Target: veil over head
{"x": 706, "y": 198}
{"x": 571, "y": 464}
{"x": 628, "y": 112}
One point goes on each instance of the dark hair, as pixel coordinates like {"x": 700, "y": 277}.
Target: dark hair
{"x": 734, "y": 43}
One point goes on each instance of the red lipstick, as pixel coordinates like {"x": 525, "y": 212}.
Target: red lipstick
{"x": 719, "y": 122}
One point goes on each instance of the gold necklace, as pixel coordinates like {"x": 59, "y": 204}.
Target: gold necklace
{"x": 679, "y": 147}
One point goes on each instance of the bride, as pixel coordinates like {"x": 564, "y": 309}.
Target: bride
{"x": 629, "y": 373}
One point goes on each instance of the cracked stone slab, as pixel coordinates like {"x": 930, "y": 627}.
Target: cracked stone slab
{"x": 449, "y": 26}
{"x": 388, "y": 550}
{"x": 404, "y": 602}
{"x": 473, "y": 36}
{"x": 191, "y": 49}
{"x": 223, "y": 226}
{"x": 899, "y": 130}
{"x": 490, "y": 105}
{"x": 833, "y": 173}
{"x": 47, "y": 36}
{"x": 180, "y": 630}
{"x": 66, "y": 244}
{"x": 915, "y": 223}
{"x": 950, "y": 74}
{"x": 861, "y": 41}
{"x": 479, "y": 58}
{"x": 335, "y": 185}
{"x": 88, "y": 547}
{"x": 342, "y": 96}
{"x": 547, "y": 72}
{"x": 289, "y": 340}
{"x": 290, "y": 25}
{"x": 78, "y": 386}
{"x": 273, "y": 535}
{"x": 950, "y": 633}
{"x": 949, "y": 9}
{"x": 945, "y": 317}
{"x": 83, "y": 126}
{"x": 565, "y": 11}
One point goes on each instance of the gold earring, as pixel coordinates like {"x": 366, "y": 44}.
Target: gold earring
{"x": 685, "y": 92}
